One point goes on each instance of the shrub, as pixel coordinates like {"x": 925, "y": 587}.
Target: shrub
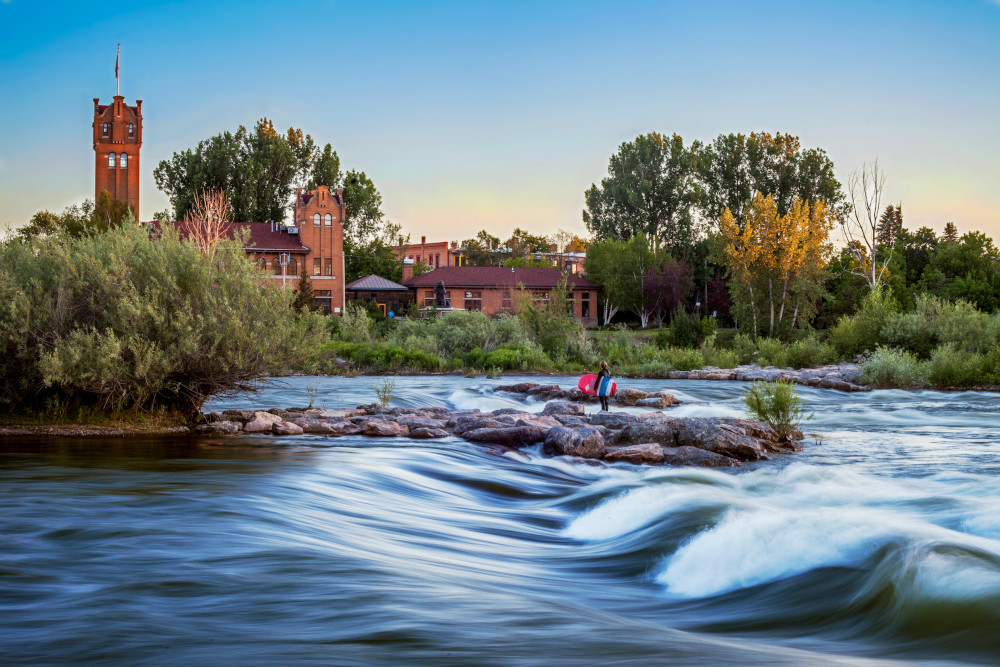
{"x": 861, "y": 332}
{"x": 509, "y": 357}
{"x": 771, "y": 352}
{"x": 951, "y": 366}
{"x": 120, "y": 321}
{"x": 744, "y": 348}
{"x": 810, "y": 352}
{"x": 685, "y": 331}
{"x": 356, "y": 323}
{"x": 892, "y": 367}
{"x": 683, "y": 359}
{"x": 716, "y": 356}
{"x": 776, "y": 403}
{"x": 911, "y": 331}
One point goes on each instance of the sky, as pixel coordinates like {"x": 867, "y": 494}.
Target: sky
{"x": 496, "y": 115}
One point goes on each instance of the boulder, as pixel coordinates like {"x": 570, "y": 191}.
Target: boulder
{"x": 213, "y": 417}
{"x": 647, "y": 452}
{"x": 241, "y": 416}
{"x": 315, "y": 426}
{"x": 539, "y": 421}
{"x": 571, "y": 420}
{"x": 220, "y": 427}
{"x": 610, "y": 419}
{"x": 473, "y": 422}
{"x": 342, "y": 413}
{"x": 384, "y": 429}
{"x": 655, "y": 402}
{"x": 678, "y": 375}
{"x": 547, "y": 392}
{"x": 721, "y": 438}
{"x": 586, "y": 442}
{"x": 693, "y": 456}
{"x": 519, "y": 388}
{"x": 428, "y": 433}
{"x": 261, "y": 423}
{"x": 416, "y": 422}
{"x": 286, "y": 428}
{"x": 660, "y": 431}
{"x": 628, "y": 396}
{"x": 562, "y": 408}
{"x": 344, "y": 428}
{"x": 281, "y": 413}
{"x": 513, "y": 437}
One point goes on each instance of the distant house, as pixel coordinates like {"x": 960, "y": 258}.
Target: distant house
{"x": 434, "y": 254}
{"x": 492, "y": 289}
{"x": 390, "y": 297}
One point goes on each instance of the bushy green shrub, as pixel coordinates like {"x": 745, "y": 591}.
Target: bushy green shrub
{"x": 652, "y": 369}
{"x": 861, "y": 332}
{"x": 950, "y": 366}
{"x": 717, "y": 356}
{"x": 685, "y": 331}
{"x": 810, "y": 352}
{"x": 621, "y": 348}
{"x": 893, "y": 367}
{"x": 776, "y": 403}
{"x": 355, "y": 324}
{"x": 912, "y": 331}
{"x": 509, "y": 357}
{"x": 771, "y": 352}
{"x": 381, "y": 357}
{"x": 744, "y": 348}
{"x": 683, "y": 359}
{"x": 121, "y": 321}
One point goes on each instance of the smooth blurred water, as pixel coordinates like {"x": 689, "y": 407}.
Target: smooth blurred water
{"x": 880, "y": 542}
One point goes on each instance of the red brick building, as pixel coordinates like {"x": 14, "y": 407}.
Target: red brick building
{"x": 492, "y": 289}
{"x": 435, "y": 254}
{"x": 117, "y": 140}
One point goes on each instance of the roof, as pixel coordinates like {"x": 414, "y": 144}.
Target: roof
{"x": 262, "y": 236}
{"x": 491, "y": 276}
{"x": 375, "y": 283}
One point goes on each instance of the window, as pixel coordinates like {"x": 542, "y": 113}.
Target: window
{"x": 585, "y": 304}
{"x": 473, "y": 300}
{"x": 262, "y": 263}
{"x": 124, "y": 161}
{"x": 540, "y": 298}
{"x": 328, "y": 266}
{"x": 105, "y": 129}
{"x": 317, "y": 266}
{"x": 570, "y": 304}
{"x": 324, "y": 298}
{"x": 131, "y": 130}
{"x": 293, "y": 267}
{"x": 328, "y": 220}
{"x": 276, "y": 266}
{"x": 111, "y": 159}
{"x": 505, "y": 302}
{"x": 316, "y": 221}
{"x": 437, "y": 261}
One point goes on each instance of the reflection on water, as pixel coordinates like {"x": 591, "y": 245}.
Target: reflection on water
{"x": 879, "y": 542}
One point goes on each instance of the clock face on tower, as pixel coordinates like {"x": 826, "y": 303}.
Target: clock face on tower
{"x": 117, "y": 140}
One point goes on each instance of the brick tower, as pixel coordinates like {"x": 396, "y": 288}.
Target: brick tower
{"x": 117, "y": 139}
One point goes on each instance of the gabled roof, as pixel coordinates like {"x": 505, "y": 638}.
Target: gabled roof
{"x": 375, "y": 283}
{"x": 491, "y": 276}
{"x": 262, "y": 237}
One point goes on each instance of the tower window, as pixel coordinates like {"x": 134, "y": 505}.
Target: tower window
{"x": 124, "y": 161}
{"x": 328, "y": 220}
{"x": 111, "y": 159}
{"x": 105, "y": 129}
{"x": 131, "y": 130}
{"x": 316, "y": 220}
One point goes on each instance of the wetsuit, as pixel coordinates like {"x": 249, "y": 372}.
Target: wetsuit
{"x": 603, "y": 373}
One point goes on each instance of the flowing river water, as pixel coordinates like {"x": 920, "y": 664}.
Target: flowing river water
{"x": 877, "y": 544}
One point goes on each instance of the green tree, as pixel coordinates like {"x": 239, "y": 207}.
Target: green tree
{"x": 620, "y": 268}
{"x": 483, "y": 250}
{"x": 305, "y": 297}
{"x": 79, "y": 219}
{"x": 651, "y": 189}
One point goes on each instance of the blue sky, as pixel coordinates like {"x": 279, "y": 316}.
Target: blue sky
{"x": 470, "y": 115}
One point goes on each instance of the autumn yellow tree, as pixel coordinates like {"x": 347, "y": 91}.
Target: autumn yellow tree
{"x": 776, "y": 262}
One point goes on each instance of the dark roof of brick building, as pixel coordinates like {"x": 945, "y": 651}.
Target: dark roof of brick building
{"x": 375, "y": 283}
{"x": 262, "y": 236}
{"x": 491, "y": 276}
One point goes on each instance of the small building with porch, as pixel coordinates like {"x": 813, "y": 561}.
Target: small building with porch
{"x": 390, "y": 297}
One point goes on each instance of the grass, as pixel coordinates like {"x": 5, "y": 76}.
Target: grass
{"x": 777, "y": 404}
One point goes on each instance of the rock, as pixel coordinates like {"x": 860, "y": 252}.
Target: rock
{"x": 261, "y": 423}
{"x": 343, "y": 413}
{"x": 693, "y": 456}
{"x": 384, "y": 429}
{"x": 647, "y": 452}
{"x": 220, "y": 427}
{"x": 721, "y": 438}
{"x": 280, "y": 413}
{"x": 539, "y": 421}
{"x": 547, "y": 392}
{"x": 571, "y": 420}
{"x": 241, "y": 416}
{"x": 427, "y": 433}
{"x": 656, "y": 402}
{"x": 416, "y": 422}
{"x": 213, "y": 417}
{"x": 519, "y": 388}
{"x": 628, "y": 396}
{"x": 473, "y": 422}
{"x": 508, "y": 436}
{"x": 344, "y": 428}
{"x": 678, "y": 375}
{"x": 660, "y": 431}
{"x": 315, "y": 426}
{"x": 610, "y": 419}
{"x": 562, "y": 408}
{"x": 267, "y": 416}
{"x": 286, "y": 428}
{"x": 586, "y": 442}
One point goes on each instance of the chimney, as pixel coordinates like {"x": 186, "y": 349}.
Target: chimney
{"x": 407, "y": 269}
{"x": 423, "y": 240}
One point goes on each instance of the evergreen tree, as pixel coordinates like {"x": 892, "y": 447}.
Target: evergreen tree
{"x": 950, "y": 232}
{"x": 889, "y": 225}
{"x": 306, "y": 296}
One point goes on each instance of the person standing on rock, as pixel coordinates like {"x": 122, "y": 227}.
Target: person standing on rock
{"x": 603, "y": 373}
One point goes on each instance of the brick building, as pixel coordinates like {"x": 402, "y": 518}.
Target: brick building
{"x": 117, "y": 140}
{"x": 492, "y": 289}
{"x": 435, "y": 254}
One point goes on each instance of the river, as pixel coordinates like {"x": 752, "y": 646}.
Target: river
{"x": 877, "y": 544}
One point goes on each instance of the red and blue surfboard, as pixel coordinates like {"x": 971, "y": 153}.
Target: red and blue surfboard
{"x": 607, "y": 387}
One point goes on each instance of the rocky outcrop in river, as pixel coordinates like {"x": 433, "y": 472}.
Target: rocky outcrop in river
{"x": 562, "y": 429}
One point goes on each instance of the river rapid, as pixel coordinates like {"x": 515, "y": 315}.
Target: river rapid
{"x": 877, "y": 544}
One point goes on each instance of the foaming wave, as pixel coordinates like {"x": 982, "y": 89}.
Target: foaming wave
{"x": 464, "y": 399}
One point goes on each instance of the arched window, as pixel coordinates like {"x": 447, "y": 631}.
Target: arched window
{"x": 131, "y": 130}
{"x": 276, "y": 266}
{"x": 293, "y": 267}
{"x": 262, "y": 264}
{"x": 111, "y": 159}
{"x": 316, "y": 220}
{"x": 328, "y": 220}
{"x": 124, "y": 161}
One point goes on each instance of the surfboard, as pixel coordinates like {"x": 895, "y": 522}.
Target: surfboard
{"x": 586, "y": 385}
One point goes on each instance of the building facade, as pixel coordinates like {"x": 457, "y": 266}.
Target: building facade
{"x": 494, "y": 290}
{"x": 117, "y": 140}
{"x": 435, "y": 254}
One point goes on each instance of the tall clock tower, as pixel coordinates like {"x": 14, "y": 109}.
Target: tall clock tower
{"x": 117, "y": 140}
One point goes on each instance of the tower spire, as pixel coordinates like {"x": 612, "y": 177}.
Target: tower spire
{"x": 117, "y": 55}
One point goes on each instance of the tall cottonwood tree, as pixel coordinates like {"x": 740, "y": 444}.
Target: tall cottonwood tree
{"x": 651, "y": 189}
{"x": 776, "y": 261}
